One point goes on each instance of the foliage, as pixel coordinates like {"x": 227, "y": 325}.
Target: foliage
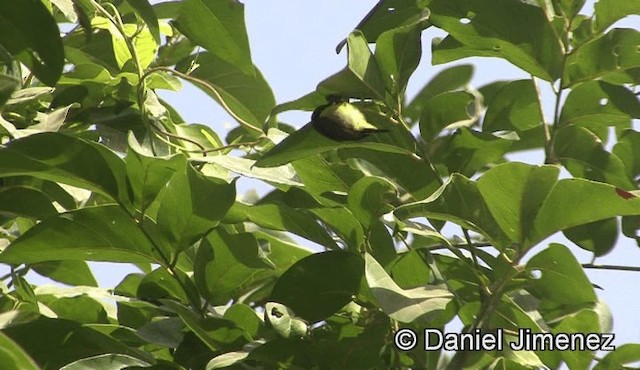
{"x": 96, "y": 167}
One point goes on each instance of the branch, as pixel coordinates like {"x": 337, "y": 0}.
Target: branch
{"x": 610, "y": 267}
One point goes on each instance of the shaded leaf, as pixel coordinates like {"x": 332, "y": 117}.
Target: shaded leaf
{"x": 53, "y": 343}
{"x": 227, "y": 264}
{"x": 66, "y": 272}
{"x": 608, "y": 12}
{"x": 104, "y": 233}
{"x": 605, "y": 57}
{"x": 145, "y": 11}
{"x": 598, "y": 237}
{"x": 515, "y": 106}
{"x": 319, "y": 285}
{"x": 448, "y": 110}
{"x": 69, "y": 160}
{"x": 584, "y": 155}
{"x": 13, "y": 356}
{"x": 29, "y": 32}
{"x": 398, "y": 53}
{"x": 361, "y": 78}
{"x": 597, "y": 104}
{"x": 449, "y": 79}
{"x": 192, "y": 205}
{"x": 307, "y": 142}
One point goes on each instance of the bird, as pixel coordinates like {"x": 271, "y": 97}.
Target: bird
{"x": 342, "y": 121}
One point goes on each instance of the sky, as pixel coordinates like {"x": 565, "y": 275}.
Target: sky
{"x": 293, "y": 44}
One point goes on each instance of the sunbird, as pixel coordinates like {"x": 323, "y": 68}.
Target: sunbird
{"x": 342, "y": 121}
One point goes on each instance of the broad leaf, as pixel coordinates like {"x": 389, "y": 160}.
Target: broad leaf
{"x": 449, "y": 79}
{"x": 69, "y": 160}
{"x": 247, "y": 95}
{"x": 398, "y": 53}
{"x": 584, "y": 155}
{"x": 558, "y": 277}
{"x": 192, "y": 205}
{"x": 362, "y": 78}
{"x": 605, "y": 57}
{"x": 219, "y": 27}
{"x": 319, "y": 285}
{"x": 421, "y": 303}
{"x": 104, "y": 233}
{"x": 29, "y": 32}
{"x": 515, "y": 107}
{"x": 513, "y": 30}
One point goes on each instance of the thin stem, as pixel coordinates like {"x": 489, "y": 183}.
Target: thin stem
{"x": 610, "y": 267}
{"x": 548, "y": 148}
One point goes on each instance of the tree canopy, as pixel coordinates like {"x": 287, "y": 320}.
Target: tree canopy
{"x": 96, "y": 166}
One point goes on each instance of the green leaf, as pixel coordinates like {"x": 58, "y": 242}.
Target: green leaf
{"x": 66, "y": 272}
{"x": 53, "y": 343}
{"x": 245, "y": 317}
{"x": 598, "y": 237}
{"x": 406, "y": 306}
{"x": 371, "y": 197}
{"x": 343, "y": 223}
{"x": 307, "y": 142}
{"x": 284, "y": 175}
{"x": 468, "y": 151}
{"x": 459, "y": 200}
{"x": 25, "y": 202}
{"x": 284, "y": 321}
{"x": 317, "y": 286}
{"x": 570, "y": 8}
{"x": 69, "y": 160}
{"x": 514, "y": 107}
{"x": 8, "y": 85}
{"x": 388, "y": 14}
{"x": 226, "y": 359}
{"x": 247, "y": 95}
{"x": 109, "y": 361}
{"x": 81, "y": 308}
{"x": 597, "y": 104}
{"x": 361, "y": 78}
{"x": 30, "y": 33}
{"x": 575, "y": 202}
{"x": 605, "y": 57}
{"x": 192, "y": 205}
{"x": 227, "y": 265}
{"x": 607, "y": 12}
{"x": 513, "y": 30}
{"x": 448, "y": 110}
{"x": 145, "y": 11}
{"x": 160, "y": 284}
{"x": 628, "y": 150}
{"x": 585, "y": 321}
{"x": 558, "y": 277}
{"x": 103, "y": 233}
{"x": 398, "y": 53}
{"x": 583, "y": 155}
{"x": 148, "y": 174}
{"x": 624, "y": 355}
{"x": 219, "y": 27}
{"x": 407, "y": 170}
{"x": 13, "y": 356}
{"x": 448, "y": 79}
{"x": 278, "y": 216}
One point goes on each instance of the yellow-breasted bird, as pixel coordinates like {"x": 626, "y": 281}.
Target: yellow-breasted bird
{"x": 342, "y": 121}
